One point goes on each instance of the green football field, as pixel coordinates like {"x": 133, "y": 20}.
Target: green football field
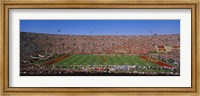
{"x": 84, "y": 59}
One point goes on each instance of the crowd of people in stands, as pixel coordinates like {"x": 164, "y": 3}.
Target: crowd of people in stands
{"x": 172, "y": 57}
{"x": 33, "y": 69}
{"x": 84, "y": 44}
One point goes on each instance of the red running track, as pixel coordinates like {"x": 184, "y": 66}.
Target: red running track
{"x": 56, "y": 60}
{"x": 157, "y": 62}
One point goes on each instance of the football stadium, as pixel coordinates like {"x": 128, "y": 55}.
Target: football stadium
{"x": 99, "y": 55}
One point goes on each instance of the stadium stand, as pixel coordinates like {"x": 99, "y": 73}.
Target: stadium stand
{"x": 36, "y": 45}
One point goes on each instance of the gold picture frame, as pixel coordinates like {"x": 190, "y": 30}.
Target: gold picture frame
{"x": 6, "y": 5}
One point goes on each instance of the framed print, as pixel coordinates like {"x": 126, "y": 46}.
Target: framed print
{"x": 101, "y": 48}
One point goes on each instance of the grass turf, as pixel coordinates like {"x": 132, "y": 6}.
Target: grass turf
{"x": 90, "y": 59}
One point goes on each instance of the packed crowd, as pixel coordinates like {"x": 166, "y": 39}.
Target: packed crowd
{"x": 106, "y": 70}
{"x": 31, "y": 43}
{"x": 172, "y": 57}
